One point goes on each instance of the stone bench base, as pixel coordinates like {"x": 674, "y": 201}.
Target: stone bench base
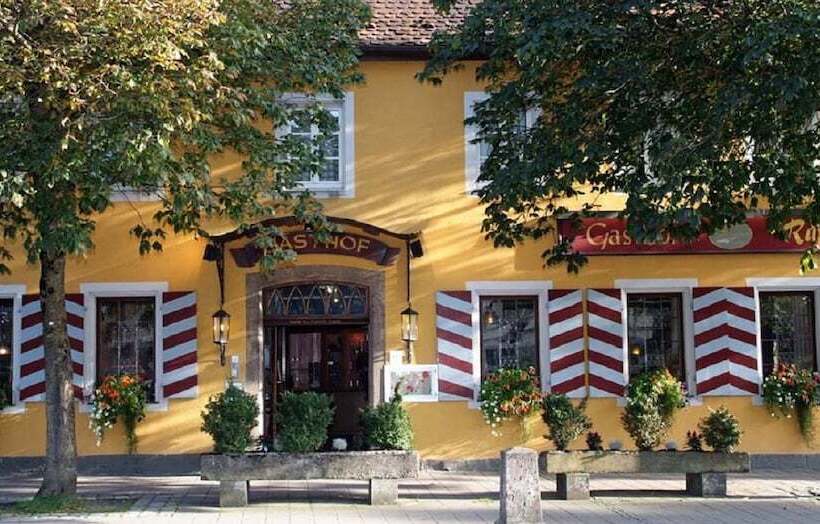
{"x": 234, "y": 493}
{"x": 575, "y": 486}
{"x": 382, "y": 469}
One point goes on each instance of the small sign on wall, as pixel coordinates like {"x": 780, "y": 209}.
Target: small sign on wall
{"x": 416, "y": 382}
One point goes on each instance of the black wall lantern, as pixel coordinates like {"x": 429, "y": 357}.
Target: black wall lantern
{"x": 410, "y": 317}
{"x": 221, "y": 319}
{"x": 222, "y": 330}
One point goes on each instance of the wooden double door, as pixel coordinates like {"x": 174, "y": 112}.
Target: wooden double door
{"x": 330, "y": 359}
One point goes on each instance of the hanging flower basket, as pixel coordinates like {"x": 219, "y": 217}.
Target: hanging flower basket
{"x": 118, "y": 396}
{"x": 791, "y": 390}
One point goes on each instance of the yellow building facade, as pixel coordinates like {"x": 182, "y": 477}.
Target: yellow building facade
{"x": 405, "y": 168}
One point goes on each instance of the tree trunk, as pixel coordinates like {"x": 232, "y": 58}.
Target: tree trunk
{"x": 60, "y": 476}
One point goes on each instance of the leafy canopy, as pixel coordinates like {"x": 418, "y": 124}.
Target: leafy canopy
{"x": 97, "y": 96}
{"x": 696, "y": 111}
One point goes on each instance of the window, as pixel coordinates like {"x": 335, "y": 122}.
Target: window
{"x": 787, "y": 329}
{"x": 509, "y": 333}
{"x": 126, "y": 338}
{"x": 6, "y": 350}
{"x": 477, "y": 151}
{"x": 335, "y": 176}
{"x": 331, "y": 170}
{"x": 317, "y": 300}
{"x": 655, "y": 333}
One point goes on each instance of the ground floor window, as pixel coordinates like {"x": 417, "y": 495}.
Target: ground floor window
{"x": 6, "y": 350}
{"x": 509, "y": 333}
{"x": 787, "y": 329}
{"x": 126, "y": 338}
{"x": 655, "y": 333}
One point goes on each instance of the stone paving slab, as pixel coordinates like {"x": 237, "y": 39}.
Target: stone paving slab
{"x": 443, "y": 497}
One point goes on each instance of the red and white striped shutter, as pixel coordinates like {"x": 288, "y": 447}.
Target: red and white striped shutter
{"x": 75, "y": 326}
{"x": 566, "y": 338}
{"x": 725, "y": 341}
{"x": 605, "y": 330}
{"x": 32, "y": 362}
{"x": 179, "y": 345}
{"x": 454, "y": 334}
{"x": 32, "y": 352}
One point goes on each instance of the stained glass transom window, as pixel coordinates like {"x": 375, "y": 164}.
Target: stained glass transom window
{"x": 317, "y": 300}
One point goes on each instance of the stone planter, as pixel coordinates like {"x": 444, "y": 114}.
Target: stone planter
{"x": 705, "y": 471}
{"x": 382, "y": 468}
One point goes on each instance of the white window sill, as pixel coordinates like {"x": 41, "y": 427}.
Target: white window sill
{"x": 85, "y": 407}
{"x": 324, "y": 191}
{"x": 14, "y": 409}
{"x": 690, "y": 401}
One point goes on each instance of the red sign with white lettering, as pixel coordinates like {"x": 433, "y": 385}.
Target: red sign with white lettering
{"x": 609, "y": 236}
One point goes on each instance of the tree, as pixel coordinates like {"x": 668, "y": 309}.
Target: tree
{"x": 697, "y": 111}
{"x": 96, "y": 96}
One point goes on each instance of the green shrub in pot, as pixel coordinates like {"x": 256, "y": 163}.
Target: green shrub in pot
{"x": 229, "y": 418}
{"x": 303, "y": 421}
{"x": 566, "y": 421}
{"x": 652, "y": 399}
{"x": 387, "y": 426}
{"x": 721, "y": 430}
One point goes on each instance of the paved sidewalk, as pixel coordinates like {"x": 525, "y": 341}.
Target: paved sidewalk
{"x": 761, "y": 497}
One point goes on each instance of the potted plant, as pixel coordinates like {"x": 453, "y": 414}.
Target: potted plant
{"x": 387, "y": 426}
{"x": 791, "y": 390}
{"x": 118, "y": 397}
{"x": 694, "y": 441}
{"x": 229, "y": 418}
{"x": 509, "y": 393}
{"x": 303, "y": 421}
{"x": 652, "y": 399}
{"x": 721, "y": 430}
{"x": 565, "y": 421}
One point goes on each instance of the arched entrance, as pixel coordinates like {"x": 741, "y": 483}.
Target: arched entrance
{"x": 316, "y": 339}
{"x": 316, "y": 328}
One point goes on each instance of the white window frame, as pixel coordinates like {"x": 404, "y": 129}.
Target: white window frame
{"x": 472, "y": 149}
{"x": 522, "y": 288}
{"x": 15, "y": 292}
{"x": 346, "y": 186}
{"x": 91, "y": 292}
{"x": 786, "y": 284}
{"x": 130, "y": 194}
{"x": 682, "y": 286}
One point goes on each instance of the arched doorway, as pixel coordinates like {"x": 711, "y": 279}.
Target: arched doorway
{"x": 316, "y": 338}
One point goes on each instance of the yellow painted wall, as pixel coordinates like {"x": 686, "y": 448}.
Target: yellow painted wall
{"x": 409, "y": 177}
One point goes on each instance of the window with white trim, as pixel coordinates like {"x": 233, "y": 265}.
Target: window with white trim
{"x": 120, "y": 320}
{"x": 787, "y": 329}
{"x": 6, "y": 351}
{"x": 126, "y": 339}
{"x": 509, "y": 333}
{"x": 335, "y": 178}
{"x": 477, "y": 151}
{"x": 655, "y": 337}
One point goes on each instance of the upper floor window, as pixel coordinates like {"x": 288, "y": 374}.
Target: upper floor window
{"x": 335, "y": 177}
{"x": 477, "y": 151}
{"x": 126, "y": 339}
{"x": 655, "y": 333}
{"x": 6, "y": 350}
{"x": 509, "y": 333}
{"x": 787, "y": 329}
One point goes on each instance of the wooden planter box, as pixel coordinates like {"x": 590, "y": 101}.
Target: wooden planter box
{"x": 705, "y": 471}
{"x": 382, "y": 468}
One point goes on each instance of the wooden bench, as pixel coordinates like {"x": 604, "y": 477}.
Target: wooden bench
{"x": 382, "y": 468}
{"x": 705, "y": 471}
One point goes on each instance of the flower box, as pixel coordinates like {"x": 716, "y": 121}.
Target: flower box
{"x": 382, "y": 468}
{"x": 705, "y": 471}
